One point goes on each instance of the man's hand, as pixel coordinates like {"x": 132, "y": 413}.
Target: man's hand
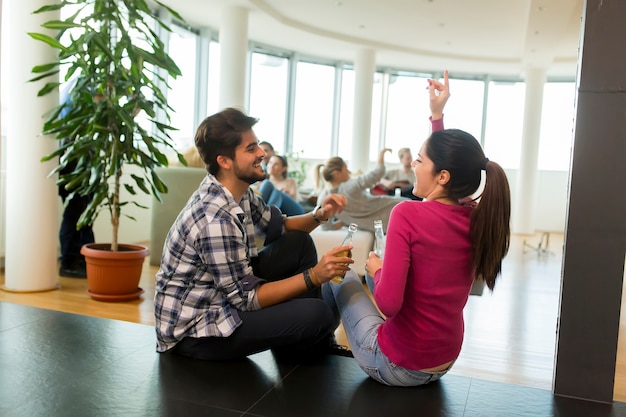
{"x": 332, "y": 204}
{"x": 332, "y": 264}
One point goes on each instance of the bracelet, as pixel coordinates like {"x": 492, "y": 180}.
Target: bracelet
{"x": 307, "y": 280}
{"x": 317, "y": 219}
{"x": 314, "y": 279}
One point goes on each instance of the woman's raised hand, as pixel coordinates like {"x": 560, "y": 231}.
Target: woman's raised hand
{"x": 439, "y": 95}
{"x": 381, "y": 155}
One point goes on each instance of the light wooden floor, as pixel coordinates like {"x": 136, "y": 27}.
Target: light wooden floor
{"x": 510, "y": 333}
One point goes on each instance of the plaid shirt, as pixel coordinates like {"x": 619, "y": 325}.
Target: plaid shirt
{"x": 205, "y": 274}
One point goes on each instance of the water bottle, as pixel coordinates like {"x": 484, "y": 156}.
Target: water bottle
{"x": 346, "y": 241}
{"x": 379, "y": 239}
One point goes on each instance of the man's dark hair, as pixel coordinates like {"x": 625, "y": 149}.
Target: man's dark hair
{"x": 220, "y": 134}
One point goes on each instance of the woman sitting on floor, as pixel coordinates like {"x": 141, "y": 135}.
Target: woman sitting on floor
{"x": 277, "y": 174}
{"x": 435, "y": 250}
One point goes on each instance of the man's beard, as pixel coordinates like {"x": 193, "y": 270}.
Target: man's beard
{"x": 249, "y": 177}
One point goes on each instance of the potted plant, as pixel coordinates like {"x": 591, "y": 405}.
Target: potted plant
{"x": 119, "y": 67}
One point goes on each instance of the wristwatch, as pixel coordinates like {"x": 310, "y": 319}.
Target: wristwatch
{"x": 317, "y": 219}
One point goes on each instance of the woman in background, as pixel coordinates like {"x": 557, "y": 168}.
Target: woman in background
{"x": 277, "y": 174}
{"x": 362, "y": 206}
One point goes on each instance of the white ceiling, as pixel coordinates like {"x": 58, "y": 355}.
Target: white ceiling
{"x": 497, "y": 37}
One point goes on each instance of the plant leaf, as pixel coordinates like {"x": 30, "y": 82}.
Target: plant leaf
{"x": 47, "y": 39}
{"x": 60, "y": 24}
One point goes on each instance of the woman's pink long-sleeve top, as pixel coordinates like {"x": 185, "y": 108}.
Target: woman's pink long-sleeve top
{"x": 424, "y": 283}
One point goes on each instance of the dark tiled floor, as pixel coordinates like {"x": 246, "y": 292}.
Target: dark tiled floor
{"x": 59, "y": 364}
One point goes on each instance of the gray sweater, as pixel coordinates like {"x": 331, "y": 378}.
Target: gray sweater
{"x": 363, "y": 207}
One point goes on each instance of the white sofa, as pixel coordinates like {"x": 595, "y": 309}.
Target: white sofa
{"x": 325, "y": 240}
{"x": 363, "y": 243}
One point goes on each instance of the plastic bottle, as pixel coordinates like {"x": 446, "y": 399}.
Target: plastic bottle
{"x": 379, "y": 239}
{"x": 346, "y": 241}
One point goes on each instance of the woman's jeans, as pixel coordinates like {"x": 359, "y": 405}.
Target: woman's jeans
{"x": 361, "y": 320}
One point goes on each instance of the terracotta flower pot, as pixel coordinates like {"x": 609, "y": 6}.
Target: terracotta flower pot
{"x": 114, "y": 276}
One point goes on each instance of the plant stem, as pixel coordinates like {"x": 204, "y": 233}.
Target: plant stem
{"x": 115, "y": 212}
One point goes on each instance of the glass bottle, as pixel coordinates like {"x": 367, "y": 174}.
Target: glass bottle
{"x": 346, "y": 241}
{"x": 379, "y": 239}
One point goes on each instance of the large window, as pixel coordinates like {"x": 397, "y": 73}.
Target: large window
{"x": 346, "y": 114}
{"x": 505, "y": 117}
{"x": 213, "y": 95}
{"x": 557, "y": 123}
{"x": 268, "y": 98}
{"x": 464, "y": 109}
{"x": 399, "y": 108}
{"x": 182, "y": 97}
{"x": 346, "y": 117}
{"x": 377, "y": 137}
{"x": 313, "y": 110}
{"x": 407, "y": 114}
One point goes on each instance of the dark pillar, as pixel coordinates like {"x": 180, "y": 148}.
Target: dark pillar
{"x": 595, "y": 237}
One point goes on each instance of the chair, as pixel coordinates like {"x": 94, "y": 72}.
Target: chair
{"x": 181, "y": 183}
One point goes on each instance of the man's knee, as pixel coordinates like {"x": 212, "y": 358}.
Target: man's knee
{"x": 302, "y": 243}
{"x": 315, "y": 314}
{"x": 299, "y": 238}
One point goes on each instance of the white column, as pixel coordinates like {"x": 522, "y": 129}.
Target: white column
{"x": 3, "y": 159}
{"x": 364, "y": 69}
{"x": 234, "y": 48}
{"x": 31, "y": 198}
{"x": 525, "y": 197}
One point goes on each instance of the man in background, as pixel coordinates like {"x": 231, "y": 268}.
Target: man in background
{"x": 402, "y": 178}
{"x": 269, "y": 152}
{"x": 71, "y": 238}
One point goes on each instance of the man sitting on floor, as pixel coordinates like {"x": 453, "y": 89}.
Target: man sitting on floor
{"x": 217, "y": 297}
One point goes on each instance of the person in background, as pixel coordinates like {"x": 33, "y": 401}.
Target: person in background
{"x": 269, "y": 152}
{"x": 72, "y": 239}
{"x": 277, "y": 174}
{"x": 362, "y": 207}
{"x": 402, "y": 178}
{"x": 217, "y": 296}
{"x": 435, "y": 249}
{"x": 273, "y": 194}
{"x": 191, "y": 157}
